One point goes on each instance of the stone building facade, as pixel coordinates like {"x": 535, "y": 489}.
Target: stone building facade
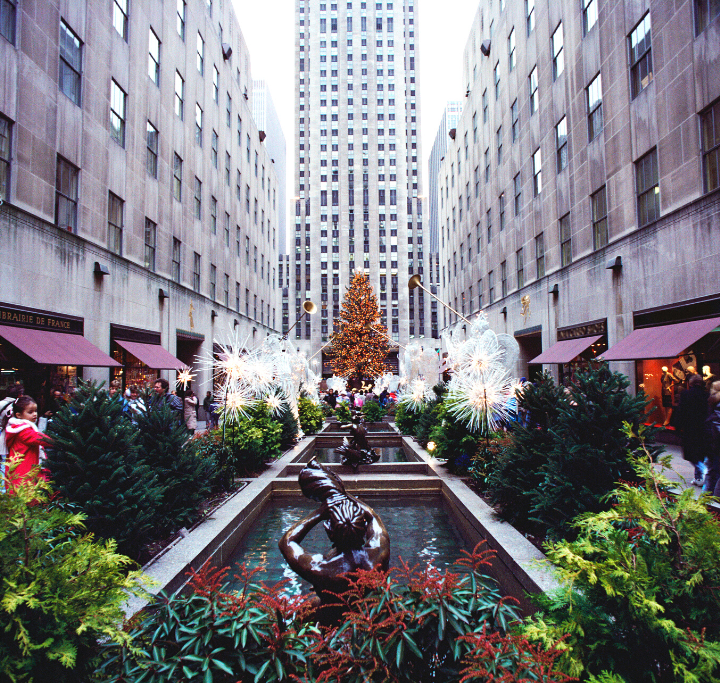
{"x": 358, "y": 178}
{"x": 138, "y": 201}
{"x": 580, "y": 194}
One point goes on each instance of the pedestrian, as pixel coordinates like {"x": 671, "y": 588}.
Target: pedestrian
{"x": 190, "y": 405}
{"x": 712, "y": 476}
{"x": 360, "y": 399}
{"x": 6, "y": 412}
{"x": 164, "y": 397}
{"x": 24, "y": 441}
{"x": 689, "y": 419}
{"x": 331, "y": 399}
{"x": 135, "y": 405}
{"x": 208, "y": 408}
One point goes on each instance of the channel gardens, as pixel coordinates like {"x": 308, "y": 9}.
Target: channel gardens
{"x": 492, "y": 530}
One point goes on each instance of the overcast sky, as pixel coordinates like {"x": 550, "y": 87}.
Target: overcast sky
{"x": 444, "y": 26}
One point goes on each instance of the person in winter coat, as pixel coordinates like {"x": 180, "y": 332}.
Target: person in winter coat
{"x": 689, "y": 418}
{"x": 712, "y": 477}
{"x": 24, "y": 441}
{"x": 190, "y": 405}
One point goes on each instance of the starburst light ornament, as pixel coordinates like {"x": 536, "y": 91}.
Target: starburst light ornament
{"x": 336, "y": 383}
{"x": 416, "y": 394}
{"x": 184, "y": 377}
{"x": 481, "y": 401}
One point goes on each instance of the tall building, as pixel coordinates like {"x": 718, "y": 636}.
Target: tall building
{"x": 581, "y": 195}
{"x": 448, "y": 124}
{"x": 358, "y": 176}
{"x": 268, "y": 123}
{"x": 139, "y": 211}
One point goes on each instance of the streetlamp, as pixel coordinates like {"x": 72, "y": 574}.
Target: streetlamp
{"x": 308, "y": 307}
{"x": 416, "y": 281}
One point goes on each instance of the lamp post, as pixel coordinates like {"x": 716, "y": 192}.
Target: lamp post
{"x": 308, "y": 307}
{"x": 415, "y": 281}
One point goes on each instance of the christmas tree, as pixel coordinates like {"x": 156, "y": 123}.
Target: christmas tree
{"x": 359, "y": 352}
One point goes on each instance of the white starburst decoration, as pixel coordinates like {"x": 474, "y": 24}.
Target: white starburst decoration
{"x": 480, "y": 400}
{"x": 416, "y": 394}
{"x": 184, "y": 377}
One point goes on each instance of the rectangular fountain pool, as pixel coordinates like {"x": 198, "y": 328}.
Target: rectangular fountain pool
{"x": 421, "y": 530}
{"x": 386, "y": 453}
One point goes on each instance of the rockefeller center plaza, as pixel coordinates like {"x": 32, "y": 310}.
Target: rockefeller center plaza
{"x": 294, "y": 388}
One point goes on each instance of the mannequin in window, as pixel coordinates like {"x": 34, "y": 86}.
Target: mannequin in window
{"x": 668, "y": 391}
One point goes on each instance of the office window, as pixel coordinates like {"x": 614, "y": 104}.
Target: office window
{"x": 537, "y": 171}
{"x": 117, "y": 113}
{"x": 198, "y": 198}
{"x": 565, "y": 241}
{"x": 200, "y": 55}
{"x": 598, "y": 205}
{"x": 179, "y": 95}
{"x": 530, "y": 15}
{"x": 515, "y": 129}
{"x": 501, "y": 202}
{"x": 151, "y": 160}
{"x": 533, "y": 84}
{"x": 66, "y": 195}
{"x": 706, "y": 11}
{"x": 181, "y": 18}
{"x": 496, "y": 79}
{"x": 216, "y": 85}
{"x": 213, "y": 215}
{"x": 485, "y": 106}
{"x": 196, "y": 272}
{"x": 540, "y": 255}
{"x": 150, "y": 244}
{"x": 5, "y": 156}
{"x": 517, "y": 186}
{"x": 647, "y": 188}
{"x": 226, "y": 288}
{"x": 177, "y": 176}
{"x": 228, "y": 111}
{"x": 710, "y": 140}
{"x": 237, "y": 297}
{"x": 558, "y": 54}
{"x": 213, "y": 282}
{"x": 8, "y": 9}
{"x": 487, "y": 165}
{"x": 176, "y": 252}
{"x": 561, "y": 144}
{"x": 154, "y": 57}
{"x": 214, "y": 149}
{"x": 520, "y": 268}
{"x": 503, "y": 279}
{"x": 120, "y": 17}
{"x": 227, "y": 229}
{"x": 641, "y": 69}
{"x": 590, "y": 14}
{"x": 499, "y": 145}
{"x": 511, "y": 50}
{"x": 70, "y": 61}
{"x": 198, "y": 124}
{"x": 594, "y": 104}
{"x": 115, "y": 224}
{"x": 227, "y": 168}
{"x": 491, "y": 287}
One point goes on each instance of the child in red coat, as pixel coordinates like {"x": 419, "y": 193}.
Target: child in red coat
{"x": 23, "y": 439}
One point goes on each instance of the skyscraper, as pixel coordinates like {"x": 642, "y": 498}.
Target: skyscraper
{"x": 358, "y": 179}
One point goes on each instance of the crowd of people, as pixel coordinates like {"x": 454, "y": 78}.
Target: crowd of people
{"x": 357, "y": 399}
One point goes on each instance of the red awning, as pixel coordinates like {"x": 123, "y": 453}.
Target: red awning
{"x": 665, "y": 341}
{"x": 56, "y": 348}
{"x": 564, "y": 351}
{"x": 153, "y": 355}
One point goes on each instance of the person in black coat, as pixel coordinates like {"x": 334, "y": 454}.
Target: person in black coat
{"x": 689, "y": 419}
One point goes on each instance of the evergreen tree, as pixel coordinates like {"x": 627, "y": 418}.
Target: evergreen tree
{"x": 93, "y": 462}
{"x": 289, "y": 425}
{"x": 186, "y": 477}
{"x": 359, "y": 352}
{"x": 517, "y": 475}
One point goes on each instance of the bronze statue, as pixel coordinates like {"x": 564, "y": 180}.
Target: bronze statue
{"x": 357, "y": 451}
{"x": 358, "y": 536}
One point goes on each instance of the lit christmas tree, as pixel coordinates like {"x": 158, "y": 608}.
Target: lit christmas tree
{"x": 359, "y": 352}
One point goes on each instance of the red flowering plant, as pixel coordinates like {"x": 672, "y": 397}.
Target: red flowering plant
{"x": 411, "y": 624}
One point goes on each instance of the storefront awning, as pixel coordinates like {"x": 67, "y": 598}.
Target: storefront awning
{"x": 564, "y": 351}
{"x": 665, "y": 341}
{"x": 56, "y": 348}
{"x": 153, "y": 355}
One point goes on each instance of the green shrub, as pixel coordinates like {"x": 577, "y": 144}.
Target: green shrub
{"x": 406, "y": 420}
{"x": 373, "y": 411}
{"x": 289, "y": 425}
{"x": 185, "y": 476}
{"x": 60, "y": 592}
{"x": 640, "y": 593}
{"x": 573, "y": 456}
{"x": 327, "y": 409}
{"x": 311, "y": 415}
{"x": 252, "y": 442}
{"x": 454, "y": 442}
{"x": 342, "y": 412}
{"x": 411, "y": 626}
{"x": 94, "y": 462}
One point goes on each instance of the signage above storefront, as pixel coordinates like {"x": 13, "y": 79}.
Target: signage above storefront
{"x": 598, "y": 327}
{"x": 39, "y": 320}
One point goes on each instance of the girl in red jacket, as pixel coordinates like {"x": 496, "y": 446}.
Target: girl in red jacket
{"x": 23, "y": 439}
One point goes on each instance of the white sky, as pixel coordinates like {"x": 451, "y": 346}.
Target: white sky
{"x": 444, "y": 26}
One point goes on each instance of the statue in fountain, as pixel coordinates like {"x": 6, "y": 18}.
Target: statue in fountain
{"x": 356, "y": 451}
{"x": 358, "y": 536}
